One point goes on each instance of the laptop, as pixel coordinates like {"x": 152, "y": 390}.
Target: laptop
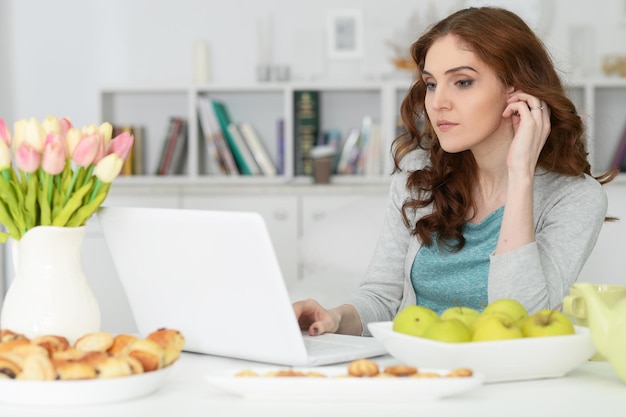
{"x": 214, "y": 276}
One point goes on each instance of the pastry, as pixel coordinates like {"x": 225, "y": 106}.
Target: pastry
{"x": 121, "y": 344}
{"x": 9, "y": 368}
{"x": 113, "y": 367}
{"x": 51, "y": 343}
{"x": 363, "y": 367}
{"x": 8, "y": 335}
{"x": 100, "y": 341}
{"x": 460, "y": 372}
{"x": 38, "y": 368}
{"x": 9, "y": 345}
{"x": 172, "y": 342}
{"x": 400, "y": 370}
{"x": 135, "y": 366}
{"x": 71, "y": 370}
{"x": 149, "y": 353}
{"x": 69, "y": 354}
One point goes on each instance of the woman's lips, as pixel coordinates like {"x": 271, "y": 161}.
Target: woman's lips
{"x": 444, "y": 125}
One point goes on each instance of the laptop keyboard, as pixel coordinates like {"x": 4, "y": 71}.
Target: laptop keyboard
{"x": 317, "y": 346}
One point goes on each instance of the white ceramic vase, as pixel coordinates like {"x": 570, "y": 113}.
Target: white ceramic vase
{"x": 50, "y": 293}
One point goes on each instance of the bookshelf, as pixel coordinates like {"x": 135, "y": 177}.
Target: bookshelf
{"x": 342, "y": 107}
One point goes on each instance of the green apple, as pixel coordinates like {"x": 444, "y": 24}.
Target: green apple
{"x": 485, "y": 315}
{"x": 451, "y": 330}
{"x": 512, "y": 307}
{"x": 547, "y": 323}
{"x": 413, "y": 320}
{"x": 466, "y": 314}
{"x": 495, "y": 326}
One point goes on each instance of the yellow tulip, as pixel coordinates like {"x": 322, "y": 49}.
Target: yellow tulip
{"x": 108, "y": 168}
{"x": 72, "y": 138}
{"x": 5, "y": 156}
{"x": 51, "y": 124}
{"x": 34, "y": 134}
{"x": 106, "y": 129}
{"x": 18, "y": 132}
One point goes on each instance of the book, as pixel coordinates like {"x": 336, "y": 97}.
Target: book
{"x": 169, "y": 143}
{"x": 362, "y": 155}
{"x": 306, "y": 125}
{"x": 349, "y": 149}
{"x": 224, "y": 120}
{"x": 619, "y": 158}
{"x": 227, "y": 159}
{"x": 215, "y": 163}
{"x": 280, "y": 139}
{"x": 138, "y": 151}
{"x": 179, "y": 152}
{"x": 374, "y": 160}
{"x": 255, "y": 144}
{"x": 246, "y": 154}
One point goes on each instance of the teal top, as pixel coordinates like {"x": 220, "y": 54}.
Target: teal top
{"x": 442, "y": 278}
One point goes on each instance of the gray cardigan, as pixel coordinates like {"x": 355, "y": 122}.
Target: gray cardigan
{"x": 568, "y": 212}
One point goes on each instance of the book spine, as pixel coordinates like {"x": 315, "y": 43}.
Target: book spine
{"x": 215, "y": 164}
{"x": 179, "y": 153}
{"x": 619, "y": 160}
{"x": 257, "y": 149}
{"x": 280, "y": 132}
{"x": 168, "y": 145}
{"x": 224, "y": 120}
{"x": 138, "y": 150}
{"x": 246, "y": 153}
{"x": 306, "y": 129}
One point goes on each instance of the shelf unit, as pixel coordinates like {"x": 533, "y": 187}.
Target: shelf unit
{"x": 342, "y": 106}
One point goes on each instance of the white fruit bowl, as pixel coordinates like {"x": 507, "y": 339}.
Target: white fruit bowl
{"x": 499, "y": 361}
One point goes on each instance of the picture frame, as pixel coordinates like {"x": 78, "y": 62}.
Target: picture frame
{"x": 345, "y": 34}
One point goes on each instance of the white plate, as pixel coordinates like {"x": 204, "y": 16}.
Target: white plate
{"x": 85, "y": 392}
{"x": 336, "y": 388}
{"x": 502, "y": 360}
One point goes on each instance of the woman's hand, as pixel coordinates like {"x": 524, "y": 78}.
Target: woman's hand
{"x": 314, "y": 318}
{"x": 531, "y": 124}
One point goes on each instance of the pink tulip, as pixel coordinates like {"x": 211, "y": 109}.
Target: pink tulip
{"x": 27, "y": 158}
{"x": 65, "y": 125}
{"x": 121, "y": 145}
{"x": 85, "y": 150}
{"x": 101, "y": 149}
{"x": 5, "y": 133}
{"x": 54, "y": 154}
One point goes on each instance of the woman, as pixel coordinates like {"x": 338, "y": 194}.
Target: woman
{"x": 492, "y": 195}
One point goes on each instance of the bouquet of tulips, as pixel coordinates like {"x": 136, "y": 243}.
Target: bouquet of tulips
{"x": 61, "y": 176}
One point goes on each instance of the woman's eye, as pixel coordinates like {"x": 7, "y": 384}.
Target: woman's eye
{"x": 430, "y": 86}
{"x": 464, "y": 83}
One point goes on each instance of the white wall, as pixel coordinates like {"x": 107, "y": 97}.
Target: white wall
{"x": 58, "y": 54}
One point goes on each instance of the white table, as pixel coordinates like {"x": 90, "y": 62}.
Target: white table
{"x": 591, "y": 390}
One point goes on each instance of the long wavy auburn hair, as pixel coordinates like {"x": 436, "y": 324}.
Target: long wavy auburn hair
{"x": 518, "y": 57}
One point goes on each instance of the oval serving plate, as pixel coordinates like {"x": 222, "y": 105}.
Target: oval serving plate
{"x": 81, "y": 392}
{"x": 336, "y": 387}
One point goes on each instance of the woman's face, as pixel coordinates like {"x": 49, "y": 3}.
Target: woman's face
{"x": 464, "y": 99}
